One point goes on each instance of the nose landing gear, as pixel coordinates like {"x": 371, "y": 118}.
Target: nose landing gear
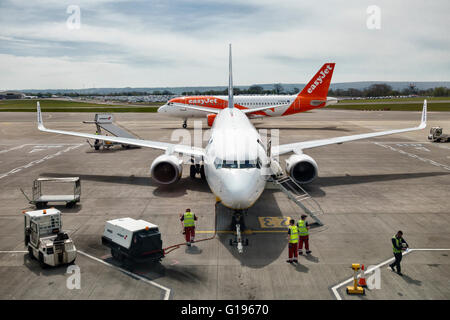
{"x": 239, "y": 225}
{"x": 185, "y": 124}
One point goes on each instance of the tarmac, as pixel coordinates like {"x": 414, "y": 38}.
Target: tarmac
{"x": 367, "y": 189}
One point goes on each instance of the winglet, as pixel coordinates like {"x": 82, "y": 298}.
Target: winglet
{"x": 423, "y": 122}
{"x": 39, "y": 118}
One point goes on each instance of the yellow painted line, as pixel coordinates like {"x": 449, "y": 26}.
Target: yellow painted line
{"x": 274, "y": 222}
{"x": 244, "y": 232}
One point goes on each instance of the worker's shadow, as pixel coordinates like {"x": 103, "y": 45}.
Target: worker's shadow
{"x": 193, "y": 249}
{"x": 312, "y": 258}
{"x": 410, "y": 280}
{"x": 264, "y": 245}
{"x": 299, "y": 267}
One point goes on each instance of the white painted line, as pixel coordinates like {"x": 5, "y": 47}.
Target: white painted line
{"x": 434, "y": 163}
{"x": 336, "y": 287}
{"x": 167, "y": 290}
{"x": 32, "y": 163}
{"x": 52, "y": 145}
{"x": 12, "y": 149}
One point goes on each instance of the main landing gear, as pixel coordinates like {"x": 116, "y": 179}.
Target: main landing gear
{"x": 195, "y": 169}
{"x": 238, "y": 224}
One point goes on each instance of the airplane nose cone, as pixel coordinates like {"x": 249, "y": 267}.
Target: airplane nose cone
{"x": 161, "y": 109}
{"x": 242, "y": 190}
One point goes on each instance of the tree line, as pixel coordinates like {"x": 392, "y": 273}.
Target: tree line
{"x": 375, "y": 90}
{"x": 384, "y": 90}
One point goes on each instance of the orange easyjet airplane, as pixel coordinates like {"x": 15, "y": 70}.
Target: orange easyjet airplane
{"x": 313, "y": 95}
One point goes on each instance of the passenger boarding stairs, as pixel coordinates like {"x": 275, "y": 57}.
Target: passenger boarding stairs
{"x": 299, "y": 195}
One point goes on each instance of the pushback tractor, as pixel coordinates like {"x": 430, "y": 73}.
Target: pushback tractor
{"x": 45, "y": 240}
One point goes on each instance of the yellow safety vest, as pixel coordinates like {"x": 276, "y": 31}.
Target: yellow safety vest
{"x": 302, "y": 228}
{"x": 398, "y": 245}
{"x": 294, "y": 234}
{"x": 189, "y": 219}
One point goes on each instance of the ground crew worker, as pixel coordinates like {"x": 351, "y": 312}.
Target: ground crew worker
{"x": 303, "y": 231}
{"x": 97, "y": 142}
{"x": 293, "y": 242}
{"x": 189, "y": 219}
{"x": 398, "y": 245}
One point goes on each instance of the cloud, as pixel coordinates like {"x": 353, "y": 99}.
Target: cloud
{"x": 184, "y": 43}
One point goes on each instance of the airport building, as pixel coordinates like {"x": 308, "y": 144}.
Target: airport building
{"x": 11, "y": 95}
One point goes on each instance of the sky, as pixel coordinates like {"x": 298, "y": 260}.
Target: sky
{"x": 146, "y": 43}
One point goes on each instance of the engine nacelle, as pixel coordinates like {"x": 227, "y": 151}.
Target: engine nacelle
{"x": 211, "y": 118}
{"x": 166, "y": 169}
{"x": 302, "y": 168}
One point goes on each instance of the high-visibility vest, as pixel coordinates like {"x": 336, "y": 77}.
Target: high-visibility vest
{"x": 399, "y": 244}
{"x": 293, "y": 235}
{"x": 302, "y": 230}
{"x": 189, "y": 219}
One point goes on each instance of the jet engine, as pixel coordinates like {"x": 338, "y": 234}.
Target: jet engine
{"x": 211, "y": 118}
{"x": 166, "y": 169}
{"x": 302, "y": 168}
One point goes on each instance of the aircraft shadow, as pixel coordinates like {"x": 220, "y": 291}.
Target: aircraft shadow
{"x": 314, "y": 189}
{"x": 305, "y": 128}
{"x": 175, "y": 190}
{"x": 263, "y": 248}
{"x": 110, "y": 150}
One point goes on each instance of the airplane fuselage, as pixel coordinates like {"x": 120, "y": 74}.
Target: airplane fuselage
{"x": 235, "y": 160}
{"x": 294, "y": 104}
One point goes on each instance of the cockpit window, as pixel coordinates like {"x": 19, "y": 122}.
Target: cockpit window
{"x": 218, "y": 163}
{"x": 247, "y": 164}
{"x": 233, "y": 164}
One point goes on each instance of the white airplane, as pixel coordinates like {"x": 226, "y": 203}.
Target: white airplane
{"x": 314, "y": 95}
{"x": 235, "y": 162}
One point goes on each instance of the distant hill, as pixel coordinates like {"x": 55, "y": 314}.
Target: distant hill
{"x": 288, "y": 87}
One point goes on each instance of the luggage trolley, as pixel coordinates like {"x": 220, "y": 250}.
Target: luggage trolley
{"x": 41, "y": 200}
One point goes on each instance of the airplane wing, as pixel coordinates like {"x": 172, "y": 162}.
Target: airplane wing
{"x": 169, "y": 147}
{"x": 295, "y": 147}
{"x": 216, "y": 110}
{"x": 198, "y": 108}
{"x": 264, "y": 108}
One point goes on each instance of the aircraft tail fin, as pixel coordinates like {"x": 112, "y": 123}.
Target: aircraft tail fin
{"x": 318, "y": 86}
{"x": 230, "y": 82}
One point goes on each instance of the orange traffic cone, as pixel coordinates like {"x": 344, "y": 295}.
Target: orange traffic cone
{"x": 362, "y": 279}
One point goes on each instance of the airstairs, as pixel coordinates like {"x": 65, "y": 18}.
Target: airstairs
{"x": 299, "y": 195}
{"x": 105, "y": 121}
